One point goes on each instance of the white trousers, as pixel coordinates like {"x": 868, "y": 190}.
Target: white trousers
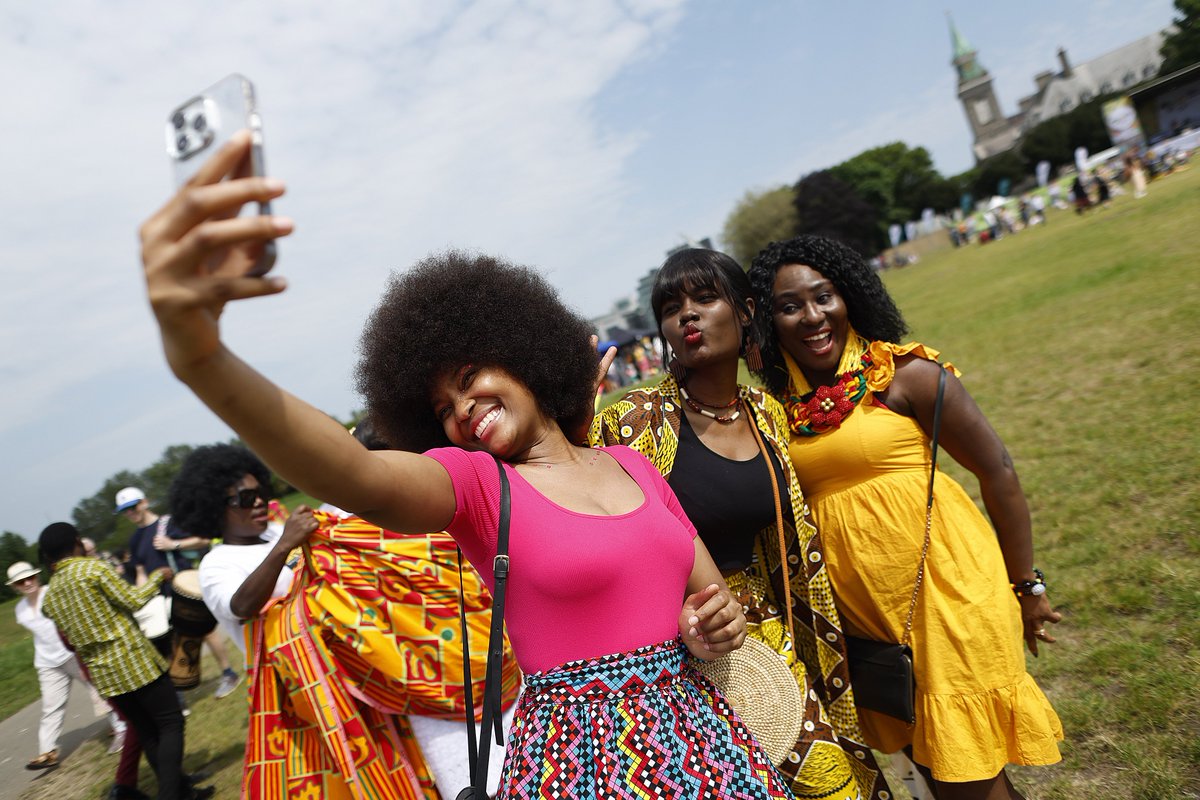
{"x": 444, "y": 745}
{"x": 55, "y": 683}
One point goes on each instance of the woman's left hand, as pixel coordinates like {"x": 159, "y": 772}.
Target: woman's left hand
{"x": 1035, "y": 613}
{"x": 712, "y": 623}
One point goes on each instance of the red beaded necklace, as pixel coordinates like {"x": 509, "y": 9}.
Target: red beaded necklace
{"x": 699, "y": 408}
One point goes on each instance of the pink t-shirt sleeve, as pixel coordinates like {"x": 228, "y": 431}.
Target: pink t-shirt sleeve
{"x": 477, "y": 500}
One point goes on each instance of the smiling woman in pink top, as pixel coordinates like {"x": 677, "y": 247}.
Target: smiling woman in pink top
{"x": 473, "y": 360}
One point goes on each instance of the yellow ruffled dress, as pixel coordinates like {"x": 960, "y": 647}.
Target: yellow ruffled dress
{"x": 866, "y": 484}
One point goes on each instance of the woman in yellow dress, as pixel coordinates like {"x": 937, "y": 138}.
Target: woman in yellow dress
{"x": 710, "y": 456}
{"x": 860, "y": 407}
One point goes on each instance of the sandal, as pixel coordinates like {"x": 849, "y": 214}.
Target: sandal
{"x": 44, "y": 761}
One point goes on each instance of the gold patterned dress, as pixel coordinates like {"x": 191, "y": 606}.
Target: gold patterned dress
{"x": 866, "y": 482}
{"x": 829, "y": 759}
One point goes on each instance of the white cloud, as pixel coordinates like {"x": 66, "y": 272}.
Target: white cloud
{"x": 400, "y": 128}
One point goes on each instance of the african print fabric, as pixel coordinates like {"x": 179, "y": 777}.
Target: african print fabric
{"x": 369, "y": 632}
{"x": 638, "y": 725}
{"x": 648, "y": 421}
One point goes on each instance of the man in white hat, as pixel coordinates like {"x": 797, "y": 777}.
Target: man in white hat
{"x": 56, "y": 667}
{"x": 158, "y": 543}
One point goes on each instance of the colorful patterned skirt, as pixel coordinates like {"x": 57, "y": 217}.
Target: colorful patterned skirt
{"x": 641, "y": 724}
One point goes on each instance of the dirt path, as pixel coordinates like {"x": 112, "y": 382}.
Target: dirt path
{"x": 19, "y": 735}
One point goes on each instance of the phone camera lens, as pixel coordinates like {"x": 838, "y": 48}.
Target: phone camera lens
{"x": 199, "y": 123}
{"x": 182, "y": 143}
{"x": 177, "y": 120}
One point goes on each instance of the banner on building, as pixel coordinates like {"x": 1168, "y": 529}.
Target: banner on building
{"x": 1122, "y": 121}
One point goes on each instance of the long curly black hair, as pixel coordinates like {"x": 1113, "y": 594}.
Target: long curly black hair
{"x": 870, "y": 308}
{"x": 456, "y": 308}
{"x": 197, "y": 496}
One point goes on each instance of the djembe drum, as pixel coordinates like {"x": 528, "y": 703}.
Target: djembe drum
{"x": 192, "y": 621}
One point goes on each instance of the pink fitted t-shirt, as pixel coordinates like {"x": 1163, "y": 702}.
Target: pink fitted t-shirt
{"x": 579, "y": 585}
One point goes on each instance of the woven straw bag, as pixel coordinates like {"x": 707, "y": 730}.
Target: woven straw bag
{"x": 760, "y": 687}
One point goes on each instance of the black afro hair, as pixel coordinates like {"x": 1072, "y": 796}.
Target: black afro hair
{"x": 198, "y": 493}
{"x": 452, "y": 309}
{"x": 869, "y": 306}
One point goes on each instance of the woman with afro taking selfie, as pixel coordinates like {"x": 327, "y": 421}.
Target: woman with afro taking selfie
{"x": 479, "y": 364}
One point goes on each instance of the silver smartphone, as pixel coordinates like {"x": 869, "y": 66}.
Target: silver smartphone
{"x": 198, "y": 127}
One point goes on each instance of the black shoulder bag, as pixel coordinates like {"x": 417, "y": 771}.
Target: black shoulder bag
{"x": 881, "y": 673}
{"x": 479, "y": 752}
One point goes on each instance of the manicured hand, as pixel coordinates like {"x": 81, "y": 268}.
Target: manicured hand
{"x": 196, "y": 251}
{"x": 297, "y": 529}
{"x": 1035, "y": 613}
{"x": 712, "y": 623}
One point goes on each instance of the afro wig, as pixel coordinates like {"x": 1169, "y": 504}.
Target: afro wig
{"x": 452, "y": 309}
{"x": 869, "y": 307}
{"x": 197, "y": 496}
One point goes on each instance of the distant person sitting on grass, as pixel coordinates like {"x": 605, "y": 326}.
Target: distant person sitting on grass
{"x": 94, "y": 608}
{"x": 56, "y": 667}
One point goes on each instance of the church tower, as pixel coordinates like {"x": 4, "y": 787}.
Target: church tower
{"x": 992, "y": 131}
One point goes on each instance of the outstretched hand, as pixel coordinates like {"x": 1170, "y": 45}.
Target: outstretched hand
{"x": 712, "y": 623}
{"x": 197, "y": 251}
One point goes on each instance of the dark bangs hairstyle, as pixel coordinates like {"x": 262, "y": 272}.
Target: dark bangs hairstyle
{"x": 456, "y": 308}
{"x": 197, "y": 497}
{"x": 691, "y": 270}
{"x": 869, "y": 307}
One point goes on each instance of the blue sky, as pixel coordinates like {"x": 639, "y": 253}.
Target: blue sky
{"x": 583, "y": 138}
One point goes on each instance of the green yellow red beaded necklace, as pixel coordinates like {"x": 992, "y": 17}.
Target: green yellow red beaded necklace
{"x": 828, "y": 406}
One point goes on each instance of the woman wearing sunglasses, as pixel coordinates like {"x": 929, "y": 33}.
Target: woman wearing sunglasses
{"x": 221, "y": 490}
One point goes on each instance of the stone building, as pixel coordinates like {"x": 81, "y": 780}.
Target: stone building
{"x": 1055, "y": 91}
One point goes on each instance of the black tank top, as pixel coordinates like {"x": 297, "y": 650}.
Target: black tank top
{"x": 728, "y": 501}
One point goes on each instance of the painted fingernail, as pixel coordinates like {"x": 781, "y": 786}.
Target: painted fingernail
{"x": 282, "y": 224}
{"x": 691, "y": 631}
{"x": 273, "y": 184}
{"x": 693, "y": 620}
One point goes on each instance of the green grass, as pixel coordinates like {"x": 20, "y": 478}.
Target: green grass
{"x": 17, "y": 674}
{"x": 1079, "y": 340}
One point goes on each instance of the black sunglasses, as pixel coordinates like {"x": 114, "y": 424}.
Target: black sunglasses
{"x": 245, "y": 498}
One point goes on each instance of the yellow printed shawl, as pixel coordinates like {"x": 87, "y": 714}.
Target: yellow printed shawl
{"x": 368, "y": 633}
{"x": 648, "y": 421}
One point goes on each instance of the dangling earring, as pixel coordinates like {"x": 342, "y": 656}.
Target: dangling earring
{"x": 677, "y": 370}
{"x": 753, "y": 353}
{"x": 754, "y": 357}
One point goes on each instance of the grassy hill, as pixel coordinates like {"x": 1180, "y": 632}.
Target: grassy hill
{"x": 1080, "y": 340}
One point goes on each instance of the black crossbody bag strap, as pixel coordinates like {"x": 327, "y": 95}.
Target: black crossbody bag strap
{"x": 491, "y": 719}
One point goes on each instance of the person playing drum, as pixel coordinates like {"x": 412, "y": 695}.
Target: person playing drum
{"x": 161, "y": 542}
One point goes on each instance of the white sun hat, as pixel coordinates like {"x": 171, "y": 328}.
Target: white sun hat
{"x": 20, "y": 571}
